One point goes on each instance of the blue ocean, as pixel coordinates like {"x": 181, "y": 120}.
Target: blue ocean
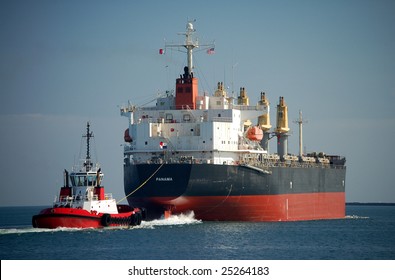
{"x": 367, "y": 233}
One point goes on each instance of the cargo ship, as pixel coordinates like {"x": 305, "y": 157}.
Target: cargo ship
{"x": 84, "y": 203}
{"x": 209, "y": 153}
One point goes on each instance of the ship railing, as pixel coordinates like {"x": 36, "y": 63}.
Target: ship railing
{"x": 158, "y": 120}
{"x": 68, "y": 201}
{"x": 249, "y": 107}
{"x": 188, "y": 117}
{"x": 64, "y": 201}
{"x": 277, "y": 163}
{"x": 255, "y": 162}
{"x": 146, "y": 108}
{"x": 128, "y": 108}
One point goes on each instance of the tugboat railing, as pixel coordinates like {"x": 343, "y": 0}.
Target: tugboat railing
{"x": 69, "y": 201}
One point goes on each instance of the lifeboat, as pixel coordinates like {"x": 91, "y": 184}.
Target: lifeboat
{"x": 127, "y": 137}
{"x": 255, "y": 133}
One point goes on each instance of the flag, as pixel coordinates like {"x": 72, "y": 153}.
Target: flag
{"x": 161, "y": 51}
{"x": 163, "y": 145}
{"x": 210, "y": 51}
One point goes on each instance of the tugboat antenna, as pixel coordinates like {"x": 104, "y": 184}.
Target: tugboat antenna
{"x": 88, "y": 136}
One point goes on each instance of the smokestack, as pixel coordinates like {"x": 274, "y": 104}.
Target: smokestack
{"x": 282, "y": 128}
{"x": 264, "y": 122}
{"x": 66, "y": 179}
{"x": 243, "y": 98}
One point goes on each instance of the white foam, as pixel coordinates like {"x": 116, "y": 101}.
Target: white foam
{"x": 355, "y": 217}
{"x": 181, "y": 219}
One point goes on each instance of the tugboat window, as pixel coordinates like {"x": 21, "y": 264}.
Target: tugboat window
{"x": 81, "y": 180}
{"x": 91, "y": 180}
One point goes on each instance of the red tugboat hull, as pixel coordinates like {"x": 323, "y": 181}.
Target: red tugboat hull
{"x": 78, "y": 218}
{"x": 83, "y": 203}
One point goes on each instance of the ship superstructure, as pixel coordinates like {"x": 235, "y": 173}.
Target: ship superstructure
{"x": 209, "y": 154}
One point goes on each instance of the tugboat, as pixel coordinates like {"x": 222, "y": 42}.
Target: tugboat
{"x": 84, "y": 204}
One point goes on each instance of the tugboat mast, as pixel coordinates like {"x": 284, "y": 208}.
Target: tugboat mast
{"x": 88, "y": 135}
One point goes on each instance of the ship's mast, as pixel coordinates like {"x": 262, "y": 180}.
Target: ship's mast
{"x": 190, "y": 43}
{"x": 300, "y": 121}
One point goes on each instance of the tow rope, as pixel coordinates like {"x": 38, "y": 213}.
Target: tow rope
{"x": 139, "y": 187}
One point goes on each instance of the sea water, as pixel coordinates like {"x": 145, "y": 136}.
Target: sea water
{"x": 367, "y": 232}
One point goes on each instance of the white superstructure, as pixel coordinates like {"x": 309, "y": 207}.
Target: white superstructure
{"x": 203, "y": 128}
{"x": 215, "y": 133}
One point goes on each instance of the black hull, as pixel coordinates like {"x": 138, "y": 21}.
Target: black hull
{"x": 178, "y": 186}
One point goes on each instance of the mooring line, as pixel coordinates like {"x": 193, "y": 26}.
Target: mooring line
{"x": 139, "y": 187}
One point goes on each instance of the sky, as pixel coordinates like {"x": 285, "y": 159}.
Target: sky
{"x": 63, "y": 63}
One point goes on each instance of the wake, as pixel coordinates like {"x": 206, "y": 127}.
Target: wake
{"x": 23, "y": 230}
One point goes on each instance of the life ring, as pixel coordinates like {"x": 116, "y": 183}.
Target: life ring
{"x": 135, "y": 219}
{"x": 106, "y": 220}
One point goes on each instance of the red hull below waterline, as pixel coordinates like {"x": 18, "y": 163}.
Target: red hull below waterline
{"x": 78, "y": 218}
{"x": 257, "y": 208}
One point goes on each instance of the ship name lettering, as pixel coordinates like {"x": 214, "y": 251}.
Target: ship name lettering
{"x": 165, "y": 179}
